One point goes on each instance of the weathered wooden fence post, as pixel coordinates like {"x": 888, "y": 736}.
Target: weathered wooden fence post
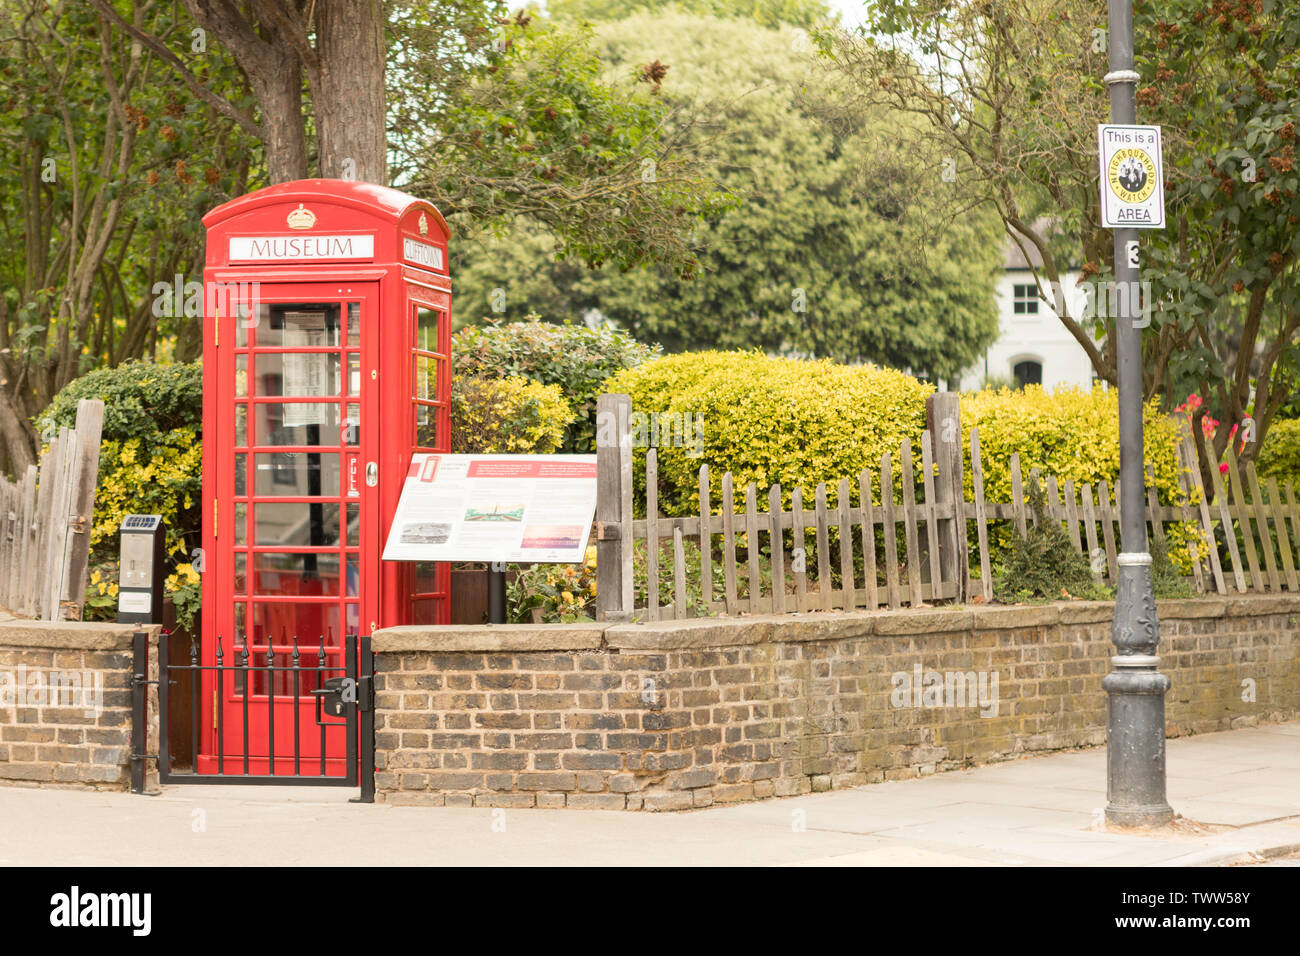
{"x": 614, "y": 595}
{"x": 943, "y": 421}
{"x": 46, "y": 587}
{"x": 45, "y": 523}
{"x": 84, "y": 474}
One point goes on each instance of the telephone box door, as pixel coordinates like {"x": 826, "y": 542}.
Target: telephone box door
{"x": 296, "y": 524}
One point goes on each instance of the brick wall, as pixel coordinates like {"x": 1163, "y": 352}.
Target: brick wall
{"x": 686, "y": 714}
{"x": 65, "y": 704}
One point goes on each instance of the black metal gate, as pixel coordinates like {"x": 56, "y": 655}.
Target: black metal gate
{"x": 344, "y": 691}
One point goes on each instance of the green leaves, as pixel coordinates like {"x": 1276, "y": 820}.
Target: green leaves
{"x": 509, "y": 415}
{"x": 769, "y": 420}
{"x": 575, "y": 358}
{"x": 1042, "y": 564}
{"x": 151, "y": 456}
{"x": 543, "y": 134}
{"x": 826, "y": 249}
{"x": 1280, "y": 456}
{"x": 768, "y": 13}
{"x": 141, "y": 401}
{"x": 113, "y": 166}
{"x": 1229, "y": 117}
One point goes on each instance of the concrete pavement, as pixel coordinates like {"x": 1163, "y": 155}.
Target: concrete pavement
{"x": 1238, "y": 794}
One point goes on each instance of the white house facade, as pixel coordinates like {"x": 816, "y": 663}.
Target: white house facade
{"x": 1032, "y": 345}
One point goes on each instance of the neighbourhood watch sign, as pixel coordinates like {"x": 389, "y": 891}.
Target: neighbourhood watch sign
{"x": 1132, "y": 177}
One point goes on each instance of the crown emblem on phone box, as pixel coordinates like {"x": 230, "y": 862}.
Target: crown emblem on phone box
{"x": 301, "y": 218}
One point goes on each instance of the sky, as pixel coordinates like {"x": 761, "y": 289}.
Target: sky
{"x": 850, "y": 11}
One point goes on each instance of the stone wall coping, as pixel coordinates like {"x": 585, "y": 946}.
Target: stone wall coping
{"x": 1254, "y": 605}
{"x": 70, "y": 635}
{"x": 998, "y": 616}
{"x": 1086, "y": 612}
{"x": 730, "y": 631}
{"x": 804, "y": 627}
{"x": 489, "y": 637}
{"x": 1188, "y": 608}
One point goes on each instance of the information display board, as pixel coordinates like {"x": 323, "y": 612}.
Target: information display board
{"x": 520, "y": 508}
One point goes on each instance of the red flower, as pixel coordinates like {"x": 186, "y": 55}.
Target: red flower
{"x": 1189, "y": 408}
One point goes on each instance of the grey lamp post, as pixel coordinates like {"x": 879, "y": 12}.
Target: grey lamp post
{"x": 1135, "y": 719}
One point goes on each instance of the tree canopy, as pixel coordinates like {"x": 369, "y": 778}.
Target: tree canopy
{"x": 1014, "y": 93}
{"x": 126, "y": 121}
{"x": 545, "y": 134}
{"x": 113, "y": 162}
{"x": 829, "y": 250}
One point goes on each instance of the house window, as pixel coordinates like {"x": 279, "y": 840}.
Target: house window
{"x": 1024, "y": 299}
{"x": 1028, "y": 372}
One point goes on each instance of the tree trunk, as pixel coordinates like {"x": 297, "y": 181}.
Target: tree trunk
{"x": 19, "y": 437}
{"x": 274, "y": 70}
{"x": 279, "y": 95}
{"x": 348, "y": 90}
{"x": 272, "y": 43}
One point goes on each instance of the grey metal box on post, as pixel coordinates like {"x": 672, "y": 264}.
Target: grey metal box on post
{"x": 143, "y": 570}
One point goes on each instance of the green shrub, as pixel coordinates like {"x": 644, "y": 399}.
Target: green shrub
{"x": 559, "y": 593}
{"x": 574, "y": 357}
{"x": 695, "y": 601}
{"x": 150, "y": 461}
{"x": 1042, "y": 564}
{"x": 506, "y": 416}
{"x": 141, "y": 400}
{"x": 768, "y": 420}
{"x": 1167, "y": 580}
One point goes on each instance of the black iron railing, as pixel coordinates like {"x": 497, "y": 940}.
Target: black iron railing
{"x": 339, "y": 696}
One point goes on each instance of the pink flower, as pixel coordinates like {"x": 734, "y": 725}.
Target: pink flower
{"x": 1223, "y": 468}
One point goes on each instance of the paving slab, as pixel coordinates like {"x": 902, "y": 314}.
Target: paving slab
{"x": 1238, "y": 793}
{"x": 1217, "y": 812}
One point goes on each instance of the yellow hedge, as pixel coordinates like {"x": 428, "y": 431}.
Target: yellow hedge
{"x": 766, "y": 420}
{"x": 164, "y": 479}
{"x": 1280, "y": 455}
{"x": 1068, "y": 433}
{"x": 507, "y": 416}
{"x": 799, "y": 423}
{"x": 1074, "y": 434}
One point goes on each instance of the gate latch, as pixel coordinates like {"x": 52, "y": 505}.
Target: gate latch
{"x": 336, "y": 695}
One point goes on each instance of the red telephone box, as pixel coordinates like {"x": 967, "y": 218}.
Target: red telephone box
{"x": 326, "y": 344}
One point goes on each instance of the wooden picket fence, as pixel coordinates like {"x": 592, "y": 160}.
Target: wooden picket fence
{"x": 45, "y": 521}
{"x": 915, "y": 551}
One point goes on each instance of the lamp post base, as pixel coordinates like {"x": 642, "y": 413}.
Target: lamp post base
{"x": 1135, "y": 742}
{"x": 1153, "y": 816}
